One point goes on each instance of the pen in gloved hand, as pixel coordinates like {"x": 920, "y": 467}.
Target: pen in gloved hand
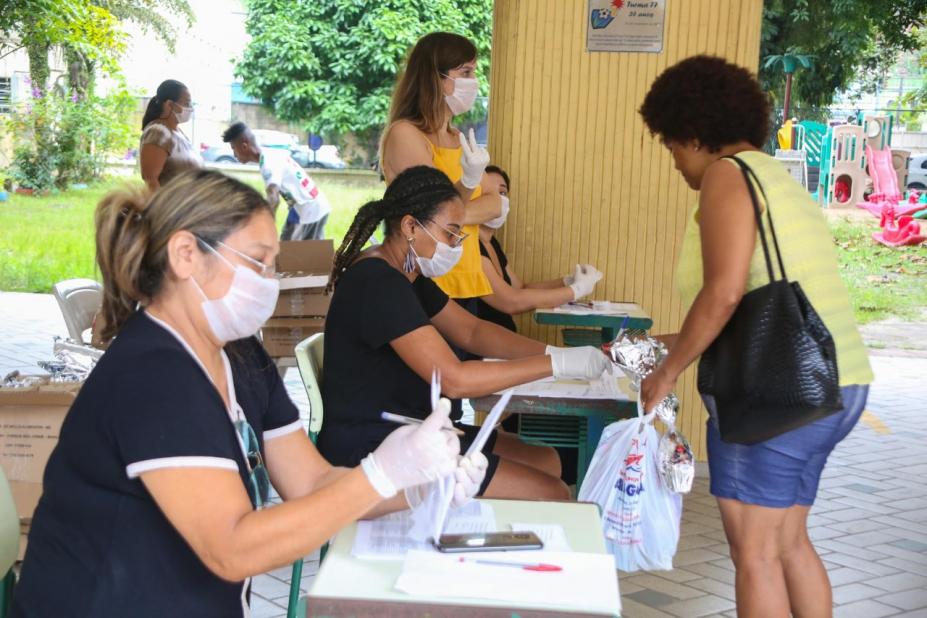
{"x": 408, "y": 420}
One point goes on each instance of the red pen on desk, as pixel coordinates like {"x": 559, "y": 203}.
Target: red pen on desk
{"x": 538, "y": 566}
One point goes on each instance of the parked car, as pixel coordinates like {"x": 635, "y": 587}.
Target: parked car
{"x": 327, "y": 156}
{"x": 917, "y": 172}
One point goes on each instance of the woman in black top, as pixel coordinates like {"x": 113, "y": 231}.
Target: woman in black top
{"x": 153, "y": 497}
{"x": 389, "y": 325}
{"x": 510, "y": 295}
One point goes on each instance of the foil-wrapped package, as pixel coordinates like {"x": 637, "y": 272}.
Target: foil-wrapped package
{"x": 14, "y": 379}
{"x": 72, "y": 363}
{"x": 666, "y": 410}
{"x": 677, "y": 464}
{"x": 636, "y": 357}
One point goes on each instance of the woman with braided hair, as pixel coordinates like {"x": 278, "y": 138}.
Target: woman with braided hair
{"x": 389, "y": 326}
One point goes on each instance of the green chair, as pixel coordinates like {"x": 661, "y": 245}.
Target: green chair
{"x": 309, "y": 362}
{"x": 9, "y": 544}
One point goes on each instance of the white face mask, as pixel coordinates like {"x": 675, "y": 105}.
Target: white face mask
{"x": 249, "y": 303}
{"x": 183, "y": 116}
{"x": 500, "y": 220}
{"x": 466, "y": 89}
{"x": 442, "y": 262}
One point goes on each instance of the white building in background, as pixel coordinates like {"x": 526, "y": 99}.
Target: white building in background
{"x": 904, "y": 77}
{"x": 203, "y": 59}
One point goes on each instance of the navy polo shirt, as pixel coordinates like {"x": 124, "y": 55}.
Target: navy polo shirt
{"x": 99, "y": 545}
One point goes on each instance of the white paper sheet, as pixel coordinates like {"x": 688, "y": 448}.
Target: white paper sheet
{"x": 552, "y": 535}
{"x": 606, "y": 387}
{"x": 389, "y": 537}
{"x": 599, "y": 307}
{"x": 588, "y": 582}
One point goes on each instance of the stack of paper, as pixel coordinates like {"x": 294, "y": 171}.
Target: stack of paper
{"x": 586, "y": 583}
{"x": 600, "y": 307}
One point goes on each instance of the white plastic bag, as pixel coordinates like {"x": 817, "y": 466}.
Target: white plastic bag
{"x": 640, "y": 515}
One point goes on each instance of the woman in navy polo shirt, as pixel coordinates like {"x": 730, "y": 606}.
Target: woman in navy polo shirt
{"x": 153, "y": 496}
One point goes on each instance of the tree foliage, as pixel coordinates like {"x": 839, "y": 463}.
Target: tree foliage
{"x": 332, "y": 64}
{"x": 849, "y": 40}
{"x": 64, "y": 132}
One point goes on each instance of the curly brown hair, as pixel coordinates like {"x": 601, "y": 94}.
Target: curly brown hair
{"x": 708, "y": 99}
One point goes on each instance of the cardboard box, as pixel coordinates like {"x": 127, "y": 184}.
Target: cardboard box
{"x": 30, "y": 420}
{"x": 282, "y": 334}
{"x": 305, "y": 266}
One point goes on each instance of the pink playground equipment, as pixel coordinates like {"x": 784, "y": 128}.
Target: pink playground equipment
{"x": 904, "y": 231}
{"x": 885, "y": 191}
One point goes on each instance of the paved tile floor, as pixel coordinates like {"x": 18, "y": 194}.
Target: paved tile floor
{"x": 869, "y": 522}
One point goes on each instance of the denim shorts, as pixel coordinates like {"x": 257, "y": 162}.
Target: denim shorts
{"x": 785, "y": 470}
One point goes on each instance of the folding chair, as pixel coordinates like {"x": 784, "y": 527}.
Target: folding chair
{"x": 80, "y": 300}
{"x": 309, "y": 361}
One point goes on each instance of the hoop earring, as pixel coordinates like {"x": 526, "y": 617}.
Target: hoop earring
{"x": 408, "y": 264}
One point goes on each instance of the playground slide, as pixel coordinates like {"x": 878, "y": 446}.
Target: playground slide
{"x": 882, "y": 172}
{"x": 884, "y": 185}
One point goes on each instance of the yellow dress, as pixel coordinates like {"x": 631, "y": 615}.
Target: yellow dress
{"x": 807, "y": 252}
{"x": 467, "y": 279}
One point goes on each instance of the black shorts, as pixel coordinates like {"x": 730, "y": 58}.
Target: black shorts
{"x": 466, "y": 440}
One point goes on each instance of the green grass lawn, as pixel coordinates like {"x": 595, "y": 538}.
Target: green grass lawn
{"x": 46, "y": 239}
{"x": 883, "y": 281}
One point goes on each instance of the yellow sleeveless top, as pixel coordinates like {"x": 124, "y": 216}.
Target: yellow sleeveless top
{"x": 807, "y": 252}
{"x": 467, "y": 279}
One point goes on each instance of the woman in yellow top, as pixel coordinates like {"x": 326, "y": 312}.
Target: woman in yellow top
{"x": 705, "y": 109}
{"x": 438, "y": 83}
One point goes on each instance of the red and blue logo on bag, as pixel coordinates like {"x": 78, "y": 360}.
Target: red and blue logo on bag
{"x": 630, "y": 481}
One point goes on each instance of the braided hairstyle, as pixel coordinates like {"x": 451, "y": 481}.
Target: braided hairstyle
{"x": 418, "y": 191}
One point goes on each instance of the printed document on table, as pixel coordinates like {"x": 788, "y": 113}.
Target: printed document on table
{"x": 587, "y": 582}
{"x": 389, "y": 538}
{"x": 599, "y": 308}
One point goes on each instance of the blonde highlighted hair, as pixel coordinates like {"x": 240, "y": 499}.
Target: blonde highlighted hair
{"x": 133, "y": 228}
{"x": 418, "y": 96}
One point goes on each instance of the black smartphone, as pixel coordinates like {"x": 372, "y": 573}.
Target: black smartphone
{"x": 487, "y": 541}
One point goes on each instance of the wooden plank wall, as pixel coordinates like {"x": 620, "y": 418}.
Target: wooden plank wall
{"x": 589, "y": 184}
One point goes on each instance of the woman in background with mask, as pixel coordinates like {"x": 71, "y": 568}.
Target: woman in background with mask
{"x": 438, "y": 83}
{"x": 153, "y": 497}
{"x": 165, "y": 151}
{"x": 389, "y": 326}
{"x": 510, "y": 295}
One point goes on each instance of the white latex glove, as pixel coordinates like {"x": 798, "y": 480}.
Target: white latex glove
{"x": 473, "y": 160}
{"x": 469, "y": 476}
{"x": 414, "y": 454}
{"x": 500, "y": 220}
{"x": 586, "y": 362}
{"x": 584, "y": 279}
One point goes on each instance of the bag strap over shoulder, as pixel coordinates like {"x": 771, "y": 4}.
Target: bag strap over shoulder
{"x": 748, "y": 173}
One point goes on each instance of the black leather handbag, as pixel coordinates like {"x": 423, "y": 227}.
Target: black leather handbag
{"x": 773, "y": 367}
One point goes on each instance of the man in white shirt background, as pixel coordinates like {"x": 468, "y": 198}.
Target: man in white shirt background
{"x": 283, "y": 177}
